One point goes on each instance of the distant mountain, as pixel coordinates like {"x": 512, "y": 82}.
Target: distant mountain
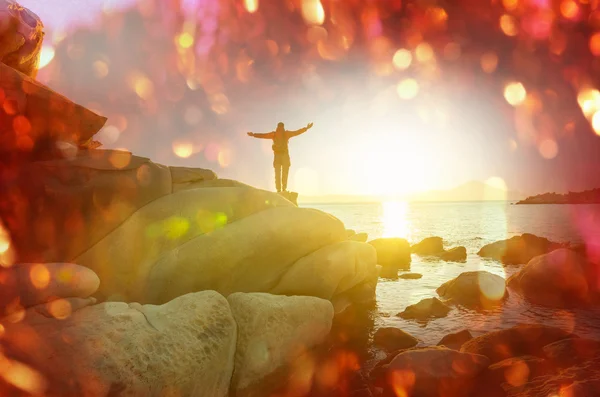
{"x": 470, "y": 191}
{"x": 586, "y": 197}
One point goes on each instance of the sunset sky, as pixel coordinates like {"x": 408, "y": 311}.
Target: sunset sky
{"x": 367, "y": 138}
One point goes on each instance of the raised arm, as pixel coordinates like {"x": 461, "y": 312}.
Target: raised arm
{"x": 266, "y": 135}
{"x": 300, "y": 131}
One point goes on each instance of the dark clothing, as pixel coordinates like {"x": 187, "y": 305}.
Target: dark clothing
{"x": 281, "y": 160}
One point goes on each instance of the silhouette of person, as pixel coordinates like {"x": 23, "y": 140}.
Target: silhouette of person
{"x": 281, "y": 161}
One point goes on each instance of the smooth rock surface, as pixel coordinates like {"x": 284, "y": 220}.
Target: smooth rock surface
{"x": 522, "y": 340}
{"x": 185, "y": 347}
{"x": 456, "y": 254}
{"x": 475, "y": 289}
{"x": 518, "y": 249}
{"x": 360, "y": 237}
{"x": 391, "y": 339}
{"x": 456, "y": 340}
{"x": 428, "y": 246}
{"x": 329, "y": 271}
{"x": 410, "y": 276}
{"x": 426, "y": 309}
{"x": 559, "y": 279}
{"x": 274, "y": 331}
{"x": 238, "y": 259}
{"x": 392, "y": 252}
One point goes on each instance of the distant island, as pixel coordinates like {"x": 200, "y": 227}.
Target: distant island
{"x": 586, "y": 197}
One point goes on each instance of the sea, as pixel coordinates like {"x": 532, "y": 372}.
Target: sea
{"x": 472, "y": 225}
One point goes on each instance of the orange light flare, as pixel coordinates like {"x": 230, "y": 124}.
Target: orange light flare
{"x": 508, "y": 25}
{"x": 6, "y": 249}
{"x": 22, "y": 376}
{"x": 251, "y": 6}
{"x": 313, "y": 12}
{"x": 407, "y": 89}
{"x": 489, "y": 62}
{"x": 515, "y": 93}
{"x": 40, "y": 276}
{"x": 569, "y": 9}
{"x": 402, "y": 382}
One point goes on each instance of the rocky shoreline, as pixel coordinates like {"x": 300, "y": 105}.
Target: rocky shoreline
{"x": 591, "y": 196}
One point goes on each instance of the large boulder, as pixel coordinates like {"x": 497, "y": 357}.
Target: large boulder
{"x": 425, "y": 309}
{"x": 518, "y": 249}
{"x": 476, "y": 289}
{"x": 31, "y": 284}
{"x": 360, "y": 237}
{"x": 21, "y": 36}
{"x": 428, "y": 246}
{"x": 249, "y": 255}
{"x": 521, "y": 340}
{"x": 559, "y": 279}
{"x": 330, "y": 271}
{"x": 184, "y": 347}
{"x": 392, "y": 253}
{"x": 273, "y": 332}
{"x": 391, "y": 338}
{"x": 568, "y": 352}
{"x": 432, "y": 371}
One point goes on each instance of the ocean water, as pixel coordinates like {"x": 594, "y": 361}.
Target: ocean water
{"x": 471, "y": 225}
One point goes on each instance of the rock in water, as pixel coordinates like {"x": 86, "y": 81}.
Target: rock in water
{"x": 392, "y": 252}
{"x": 425, "y": 309}
{"x": 432, "y": 371}
{"x": 391, "y": 338}
{"x": 456, "y": 340}
{"x": 330, "y": 271}
{"x": 475, "y": 289}
{"x": 428, "y": 246}
{"x": 567, "y": 352}
{"x": 518, "y": 249}
{"x": 273, "y": 331}
{"x": 559, "y": 279}
{"x": 411, "y": 276}
{"x": 21, "y": 36}
{"x": 185, "y": 347}
{"x": 521, "y": 340}
{"x": 456, "y": 254}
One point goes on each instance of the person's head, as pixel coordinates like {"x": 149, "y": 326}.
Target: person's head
{"x": 280, "y": 126}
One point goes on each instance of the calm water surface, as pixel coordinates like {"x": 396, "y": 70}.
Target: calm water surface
{"x": 471, "y": 225}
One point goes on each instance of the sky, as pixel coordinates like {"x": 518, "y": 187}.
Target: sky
{"x": 366, "y": 138}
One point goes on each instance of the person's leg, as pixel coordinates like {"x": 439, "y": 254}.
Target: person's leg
{"x": 277, "y": 168}
{"x": 285, "y": 170}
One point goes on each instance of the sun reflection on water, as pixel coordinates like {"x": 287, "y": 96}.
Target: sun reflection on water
{"x": 394, "y": 219}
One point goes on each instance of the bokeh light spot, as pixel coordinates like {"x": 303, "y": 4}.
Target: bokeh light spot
{"x": 407, "y": 89}
{"x": 60, "y": 309}
{"x": 508, "y": 25}
{"x": 120, "y": 158}
{"x": 176, "y": 227}
{"x": 183, "y": 149}
{"x": 46, "y": 55}
{"x": 596, "y": 122}
{"x": 515, "y": 93}
{"x": 489, "y": 62}
{"x": 251, "y": 6}
{"x": 402, "y": 59}
{"x": 100, "y": 69}
{"x": 224, "y": 158}
{"x": 548, "y": 148}
{"x": 424, "y": 52}
{"x": 185, "y": 40}
{"x": 313, "y": 12}
{"x": 569, "y": 9}
{"x": 595, "y": 44}
{"x": 40, "y": 276}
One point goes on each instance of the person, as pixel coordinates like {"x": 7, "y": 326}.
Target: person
{"x": 281, "y": 161}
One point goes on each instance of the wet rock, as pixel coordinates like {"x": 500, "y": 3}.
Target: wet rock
{"x": 392, "y": 252}
{"x": 389, "y": 273}
{"x": 568, "y": 352}
{"x": 273, "y": 332}
{"x": 432, "y": 371}
{"x": 560, "y": 279}
{"x": 428, "y": 246}
{"x": 456, "y": 254}
{"x": 475, "y": 289}
{"x": 512, "y": 372}
{"x": 522, "y": 340}
{"x": 456, "y": 340}
{"x": 411, "y": 276}
{"x": 425, "y": 309}
{"x": 361, "y": 237}
{"x": 518, "y": 249}
{"x": 391, "y": 338}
